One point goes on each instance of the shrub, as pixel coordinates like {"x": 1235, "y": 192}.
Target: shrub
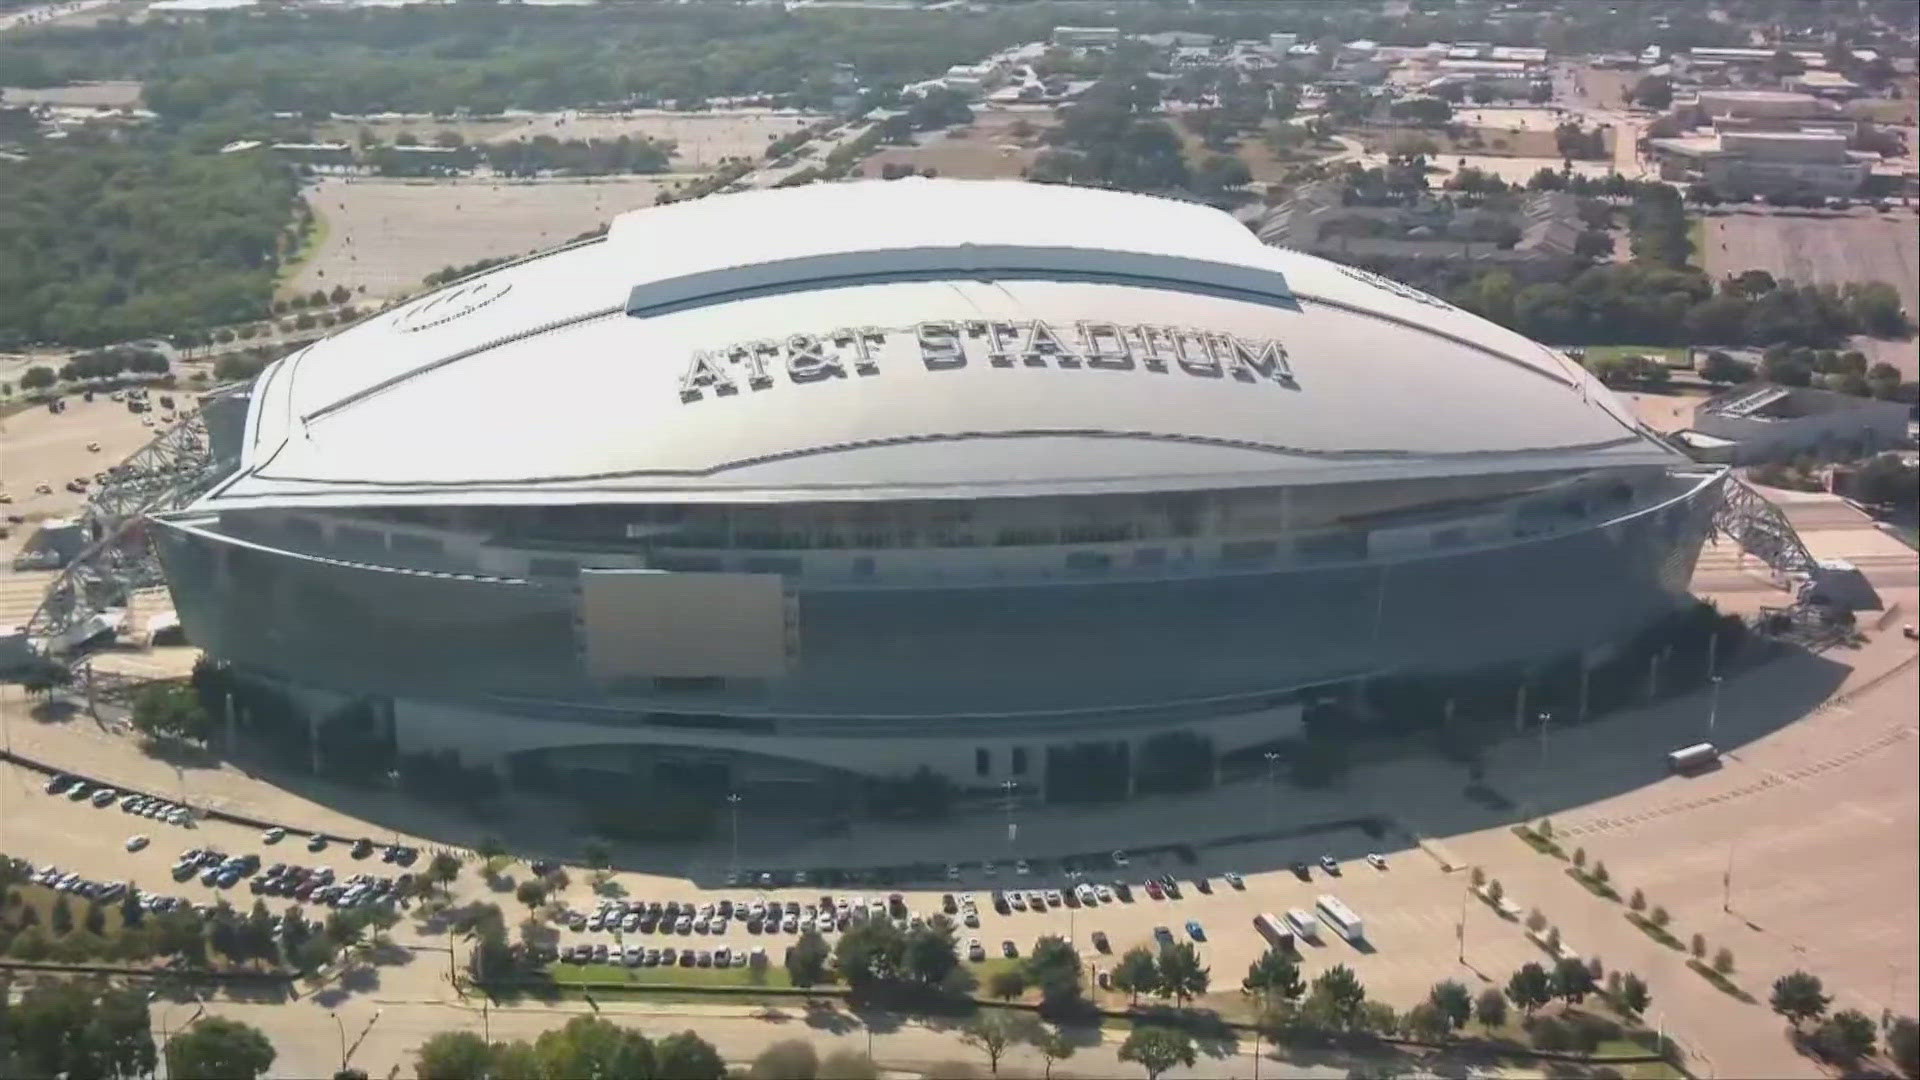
{"x": 1639, "y": 901}
{"x": 1660, "y": 918}
{"x": 1580, "y": 856}
{"x": 1723, "y": 961}
{"x": 1698, "y": 946}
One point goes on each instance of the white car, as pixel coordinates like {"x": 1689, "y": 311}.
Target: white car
{"x": 1375, "y": 860}
{"x": 135, "y": 843}
{"x": 1119, "y": 858}
{"x": 273, "y": 835}
{"x": 1022, "y": 868}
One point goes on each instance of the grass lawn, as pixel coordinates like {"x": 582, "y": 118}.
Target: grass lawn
{"x": 309, "y": 246}
{"x": 42, "y": 899}
{"x": 773, "y": 976}
{"x": 1697, "y": 235}
{"x": 1649, "y": 1070}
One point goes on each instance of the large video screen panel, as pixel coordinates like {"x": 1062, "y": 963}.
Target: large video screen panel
{"x": 644, "y": 623}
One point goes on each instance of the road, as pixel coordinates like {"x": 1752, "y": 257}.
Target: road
{"x": 45, "y": 13}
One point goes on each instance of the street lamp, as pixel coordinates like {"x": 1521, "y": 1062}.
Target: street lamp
{"x": 1713, "y": 703}
{"x": 1009, "y": 786}
{"x": 342, "y": 1028}
{"x": 1272, "y": 758}
{"x": 733, "y": 810}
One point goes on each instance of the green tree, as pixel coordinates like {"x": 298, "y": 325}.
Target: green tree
{"x": 442, "y": 869}
{"x": 1136, "y": 973}
{"x": 219, "y": 1049}
{"x": 788, "y": 1059}
{"x": 171, "y": 710}
{"x": 991, "y": 1033}
{"x": 1425, "y": 1021}
{"x": 74, "y": 1030}
{"x": 869, "y": 954}
{"x": 453, "y": 1055}
{"x": 1723, "y": 961}
{"x": 1845, "y": 1037}
{"x": 1054, "y": 967}
{"x": 1051, "y": 1044}
{"x": 1454, "y": 1002}
{"x": 1903, "y": 1045}
{"x": 531, "y": 892}
{"x": 590, "y": 1046}
{"x": 1572, "y": 980}
{"x": 1276, "y": 974}
{"x": 930, "y": 954}
{"x": 1180, "y": 975}
{"x": 807, "y": 960}
{"x": 1490, "y": 1008}
{"x": 1634, "y": 996}
{"x": 1638, "y": 902}
{"x": 847, "y": 1065}
{"x": 38, "y": 377}
{"x": 596, "y": 855}
{"x": 1698, "y": 946}
{"x": 62, "y": 917}
{"x": 687, "y": 1056}
{"x": 1799, "y": 997}
{"x": 1336, "y": 998}
{"x": 1007, "y": 983}
{"x": 1660, "y": 918}
{"x": 1529, "y": 988}
{"x": 1157, "y": 1049}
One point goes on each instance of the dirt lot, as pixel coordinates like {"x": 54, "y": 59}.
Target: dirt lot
{"x": 1503, "y": 138}
{"x": 387, "y": 235}
{"x": 702, "y": 138}
{"x": 987, "y": 149}
{"x": 1835, "y": 247}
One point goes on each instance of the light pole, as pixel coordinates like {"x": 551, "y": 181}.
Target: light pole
{"x": 1713, "y": 702}
{"x": 1272, "y": 759}
{"x": 733, "y": 811}
{"x": 1726, "y": 883}
{"x": 1009, "y": 786}
{"x": 342, "y": 1028}
{"x": 1460, "y": 928}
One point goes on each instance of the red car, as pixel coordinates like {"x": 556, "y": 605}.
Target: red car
{"x": 1154, "y": 890}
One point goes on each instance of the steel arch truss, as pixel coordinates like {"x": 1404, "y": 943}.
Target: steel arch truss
{"x": 166, "y": 474}
{"x": 1748, "y": 519}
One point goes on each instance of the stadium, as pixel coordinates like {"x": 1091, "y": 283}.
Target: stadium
{"x": 859, "y": 479}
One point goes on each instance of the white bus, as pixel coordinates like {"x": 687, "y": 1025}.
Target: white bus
{"x": 1341, "y": 918}
{"x": 1690, "y": 758}
{"x": 1303, "y": 924}
{"x": 1274, "y": 931}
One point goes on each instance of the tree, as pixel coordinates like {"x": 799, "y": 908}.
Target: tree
{"x": 1799, "y": 997}
{"x": 1633, "y": 997}
{"x": 1157, "y": 1049}
{"x": 1496, "y": 891}
{"x": 74, "y": 1030}
{"x": 443, "y": 869}
{"x": 1453, "y": 1001}
{"x": 807, "y": 960}
{"x": 990, "y": 1033}
{"x": 1054, "y": 967}
{"x": 1653, "y": 92}
{"x": 1723, "y": 961}
{"x": 1136, "y": 973}
{"x": 1180, "y": 975}
{"x": 1478, "y": 878}
{"x": 1600, "y": 874}
{"x": 453, "y": 1055}
{"x": 1845, "y": 1037}
{"x": 847, "y": 1065}
{"x": 869, "y": 954}
{"x": 1698, "y": 946}
{"x": 1426, "y": 1021}
{"x": 596, "y": 855}
{"x": 1536, "y": 921}
{"x": 219, "y": 1049}
{"x": 788, "y": 1059}
{"x": 171, "y": 710}
{"x": 1490, "y": 1008}
{"x": 1638, "y": 901}
{"x": 1580, "y": 857}
{"x": 687, "y": 1056}
{"x": 1007, "y": 983}
{"x": 1572, "y": 980}
{"x": 1529, "y": 988}
{"x": 1275, "y": 974}
{"x": 930, "y": 955}
{"x": 1336, "y": 998}
{"x": 1660, "y": 918}
{"x": 531, "y": 892}
{"x": 1051, "y": 1044}
{"x": 38, "y": 377}
{"x": 590, "y": 1046}
{"x": 1903, "y": 1045}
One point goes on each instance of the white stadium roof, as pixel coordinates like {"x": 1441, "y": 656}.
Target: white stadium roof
{"x": 913, "y": 339}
